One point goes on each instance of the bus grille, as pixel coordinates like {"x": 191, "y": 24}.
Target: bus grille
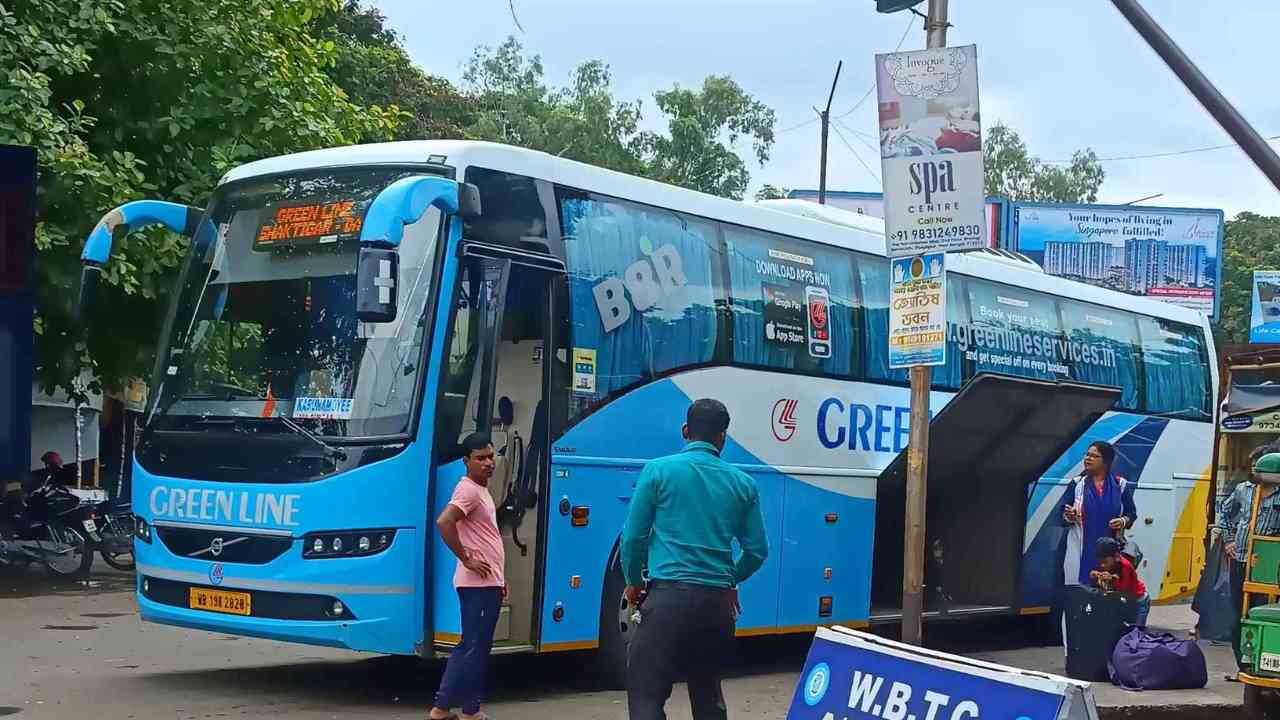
{"x": 226, "y": 546}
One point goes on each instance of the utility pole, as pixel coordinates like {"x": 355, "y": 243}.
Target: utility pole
{"x": 826, "y": 124}
{"x": 1244, "y": 134}
{"x": 918, "y": 445}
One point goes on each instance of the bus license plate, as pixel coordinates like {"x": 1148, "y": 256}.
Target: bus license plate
{"x": 233, "y": 603}
{"x": 1269, "y": 662}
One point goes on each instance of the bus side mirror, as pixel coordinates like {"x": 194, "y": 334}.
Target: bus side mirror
{"x": 90, "y": 276}
{"x": 468, "y": 201}
{"x": 377, "y": 278}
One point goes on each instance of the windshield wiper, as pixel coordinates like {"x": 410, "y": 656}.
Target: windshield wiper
{"x": 336, "y": 453}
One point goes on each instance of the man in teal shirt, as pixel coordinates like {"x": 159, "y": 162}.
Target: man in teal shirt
{"x": 686, "y": 511}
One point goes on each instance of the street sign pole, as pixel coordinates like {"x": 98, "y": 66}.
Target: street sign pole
{"x": 918, "y": 447}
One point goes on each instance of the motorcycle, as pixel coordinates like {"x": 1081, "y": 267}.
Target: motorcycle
{"x": 116, "y": 525}
{"x": 49, "y": 526}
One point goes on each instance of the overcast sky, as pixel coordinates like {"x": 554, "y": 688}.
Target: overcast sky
{"x": 1067, "y": 74}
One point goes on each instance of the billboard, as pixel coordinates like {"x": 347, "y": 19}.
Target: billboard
{"x": 1169, "y": 254}
{"x": 871, "y": 204}
{"x": 931, "y": 150}
{"x": 1264, "y": 317}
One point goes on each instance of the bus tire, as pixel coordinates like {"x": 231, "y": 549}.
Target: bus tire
{"x": 1260, "y": 703}
{"x": 611, "y": 665}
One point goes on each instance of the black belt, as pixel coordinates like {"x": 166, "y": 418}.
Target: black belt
{"x": 694, "y": 587}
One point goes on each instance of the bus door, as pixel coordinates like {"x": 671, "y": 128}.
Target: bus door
{"x": 496, "y": 381}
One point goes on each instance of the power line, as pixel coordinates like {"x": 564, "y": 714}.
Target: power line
{"x": 1171, "y": 153}
{"x": 861, "y": 136}
{"x": 797, "y": 126}
{"x": 910, "y": 21}
{"x": 856, "y": 155}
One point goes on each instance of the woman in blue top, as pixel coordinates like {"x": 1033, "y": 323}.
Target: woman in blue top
{"x": 1101, "y": 506}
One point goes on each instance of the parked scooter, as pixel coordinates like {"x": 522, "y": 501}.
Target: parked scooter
{"x": 50, "y": 526}
{"x": 116, "y": 526}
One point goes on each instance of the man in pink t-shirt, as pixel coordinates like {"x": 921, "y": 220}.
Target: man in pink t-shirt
{"x": 469, "y": 526}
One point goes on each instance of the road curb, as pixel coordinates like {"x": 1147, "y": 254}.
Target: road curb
{"x": 1213, "y": 711}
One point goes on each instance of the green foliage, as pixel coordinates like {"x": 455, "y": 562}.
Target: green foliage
{"x": 703, "y": 128}
{"x": 372, "y": 67}
{"x": 1252, "y": 242}
{"x": 131, "y": 98}
{"x": 1012, "y": 172}
{"x": 126, "y": 99}
{"x": 772, "y": 192}
{"x": 583, "y": 121}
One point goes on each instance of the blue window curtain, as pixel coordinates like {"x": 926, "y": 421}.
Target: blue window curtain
{"x": 1177, "y": 373}
{"x": 1014, "y": 331}
{"x": 643, "y": 284}
{"x": 1111, "y": 351}
{"x": 873, "y": 276}
{"x": 952, "y": 375}
{"x": 773, "y": 280}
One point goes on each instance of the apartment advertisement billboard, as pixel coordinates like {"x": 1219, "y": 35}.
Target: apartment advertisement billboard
{"x": 1169, "y": 254}
{"x": 931, "y": 151}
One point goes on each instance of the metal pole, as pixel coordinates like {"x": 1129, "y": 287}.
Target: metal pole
{"x": 822, "y": 168}
{"x": 1258, "y": 150}
{"x": 935, "y": 27}
{"x": 826, "y": 124}
{"x": 918, "y": 447}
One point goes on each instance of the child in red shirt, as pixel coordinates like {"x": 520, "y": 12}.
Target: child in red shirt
{"x": 1115, "y": 572}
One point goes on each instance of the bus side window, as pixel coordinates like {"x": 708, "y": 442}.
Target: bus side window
{"x": 1108, "y": 351}
{"x": 793, "y": 303}
{"x": 1176, "y": 369}
{"x": 644, "y": 283}
{"x": 512, "y": 212}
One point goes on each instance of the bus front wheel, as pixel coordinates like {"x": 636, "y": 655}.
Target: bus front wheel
{"x": 615, "y": 631}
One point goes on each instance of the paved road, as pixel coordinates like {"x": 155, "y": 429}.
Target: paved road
{"x": 81, "y": 652}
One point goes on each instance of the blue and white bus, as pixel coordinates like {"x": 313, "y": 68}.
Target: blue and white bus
{"x": 345, "y": 316}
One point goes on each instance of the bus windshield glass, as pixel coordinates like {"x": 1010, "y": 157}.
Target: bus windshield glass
{"x": 265, "y": 324}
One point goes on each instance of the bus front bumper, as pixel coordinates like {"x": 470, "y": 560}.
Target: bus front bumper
{"x": 356, "y": 603}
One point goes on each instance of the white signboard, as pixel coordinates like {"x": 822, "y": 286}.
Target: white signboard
{"x": 918, "y": 311}
{"x": 931, "y": 150}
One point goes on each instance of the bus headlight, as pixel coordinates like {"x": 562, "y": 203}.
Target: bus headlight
{"x": 141, "y": 529}
{"x": 346, "y": 543}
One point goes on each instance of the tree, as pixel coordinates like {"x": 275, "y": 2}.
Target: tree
{"x": 583, "y": 121}
{"x": 772, "y": 192}
{"x": 1012, "y": 172}
{"x": 373, "y": 68}
{"x": 703, "y": 128}
{"x": 131, "y": 98}
{"x": 1252, "y": 242}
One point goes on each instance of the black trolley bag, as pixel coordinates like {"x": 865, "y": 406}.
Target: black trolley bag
{"x": 1096, "y": 621}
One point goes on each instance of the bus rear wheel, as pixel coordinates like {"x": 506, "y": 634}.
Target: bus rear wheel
{"x": 1261, "y": 703}
{"x": 614, "y": 631}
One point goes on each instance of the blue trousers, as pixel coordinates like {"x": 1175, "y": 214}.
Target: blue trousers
{"x": 1144, "y": 609}
{"x": 464, "y": 675}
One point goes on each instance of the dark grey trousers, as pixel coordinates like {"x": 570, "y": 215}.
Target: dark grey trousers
{"x": 685, "y": 630}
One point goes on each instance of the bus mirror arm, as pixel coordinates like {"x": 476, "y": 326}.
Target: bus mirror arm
{"x": 90, "y": 275}
{"x": 136, "y": 215}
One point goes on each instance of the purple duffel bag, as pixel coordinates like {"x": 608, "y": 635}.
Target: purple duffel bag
{"x": 1146, "y": 661}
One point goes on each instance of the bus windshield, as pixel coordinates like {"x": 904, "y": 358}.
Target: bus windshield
{"x": 265, "y": 322}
